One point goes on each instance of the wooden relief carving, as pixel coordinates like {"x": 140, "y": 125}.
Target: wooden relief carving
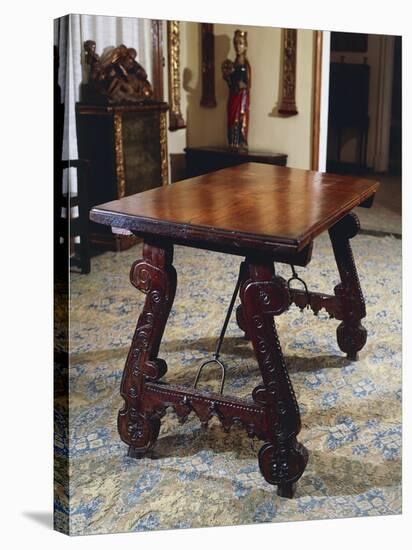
{"x": 115, "y": 77}
{"x": 208, "y": 66}
{"x": 173, "y": 49}
{"x": 288, "y": 103}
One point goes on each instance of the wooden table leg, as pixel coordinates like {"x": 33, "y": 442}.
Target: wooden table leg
{"x": 351, "y": 334}
{"x": 282, "y": 460}
{"x": 155, "y": 276}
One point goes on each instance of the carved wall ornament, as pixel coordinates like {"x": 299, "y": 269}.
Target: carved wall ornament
{"x": 176, "y": 121}
{"x": 208, "y": 66}
{"x": 115, "y": 77}
{"x": 288, "y": 102}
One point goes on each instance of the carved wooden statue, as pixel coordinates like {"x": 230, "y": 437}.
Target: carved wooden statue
{"x": 116, "y": 77}
{"x": 238, "y": 77}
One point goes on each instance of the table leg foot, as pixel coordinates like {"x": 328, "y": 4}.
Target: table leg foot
{"x": 139, "y": 431}
{"x": 282, "y": 464}
{"x": 351, "y": 338}
{"x": 132, "y": 452}
{"x": 286, "y": 490}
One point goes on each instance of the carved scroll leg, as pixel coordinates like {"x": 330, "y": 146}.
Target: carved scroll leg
{"x": 282, "y": 460}
{"x": 155, "y": 276}
{"x": 351, "y": 334}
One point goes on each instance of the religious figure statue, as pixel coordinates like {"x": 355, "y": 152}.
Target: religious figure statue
{"x": 238, "y": 77}
{"x": 117, "y": 77}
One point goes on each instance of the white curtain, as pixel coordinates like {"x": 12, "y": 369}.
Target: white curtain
{"x": 71, "y": 32}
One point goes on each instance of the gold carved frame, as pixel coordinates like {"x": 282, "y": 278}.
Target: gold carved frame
{"x": 163, "y": 149}
{"x": 176, "y": 121}
{"x": 119, "y": 153}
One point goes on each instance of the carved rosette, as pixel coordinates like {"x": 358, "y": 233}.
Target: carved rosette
{"x": 155, "y": 277}
{"x": 176, "y": 121}
{"x": 119, "y": 155}
{"x": 288, "y": 103}
{"x": 281, "y": 460}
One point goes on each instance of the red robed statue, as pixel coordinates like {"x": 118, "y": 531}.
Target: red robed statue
{"x": 238, "y": 77}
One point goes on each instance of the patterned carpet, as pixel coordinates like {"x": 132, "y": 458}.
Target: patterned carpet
{"x": 351, "y": 412}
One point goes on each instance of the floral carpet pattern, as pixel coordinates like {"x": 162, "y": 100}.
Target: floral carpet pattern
{"x": 351, "y": 411}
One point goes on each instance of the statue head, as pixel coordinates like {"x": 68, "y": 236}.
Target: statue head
{"x": 129, "y": 59}
{"x": 90, "y": 46}
{"x": 132, "y": 52}
{"x": 240, "y": 42}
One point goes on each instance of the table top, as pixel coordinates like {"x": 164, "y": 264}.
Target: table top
{"x": 250, "y": 205}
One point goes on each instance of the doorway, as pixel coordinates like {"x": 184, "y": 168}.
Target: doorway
{"x": 364, "y": 120}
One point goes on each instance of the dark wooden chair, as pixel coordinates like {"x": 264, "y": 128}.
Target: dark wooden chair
{"x": 78, "y": 226}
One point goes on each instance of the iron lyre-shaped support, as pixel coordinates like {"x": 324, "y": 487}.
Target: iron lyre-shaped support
{"x": 295, "y": 277}
{"x": 216, "y": 356}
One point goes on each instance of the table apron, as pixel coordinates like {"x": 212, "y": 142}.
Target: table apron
{"x": 279, "y": 254}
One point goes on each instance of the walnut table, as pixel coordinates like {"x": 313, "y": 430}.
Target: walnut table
{"x": 266, "y": 214}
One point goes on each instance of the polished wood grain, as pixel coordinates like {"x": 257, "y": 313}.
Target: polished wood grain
{"x": 252, "y": 204}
